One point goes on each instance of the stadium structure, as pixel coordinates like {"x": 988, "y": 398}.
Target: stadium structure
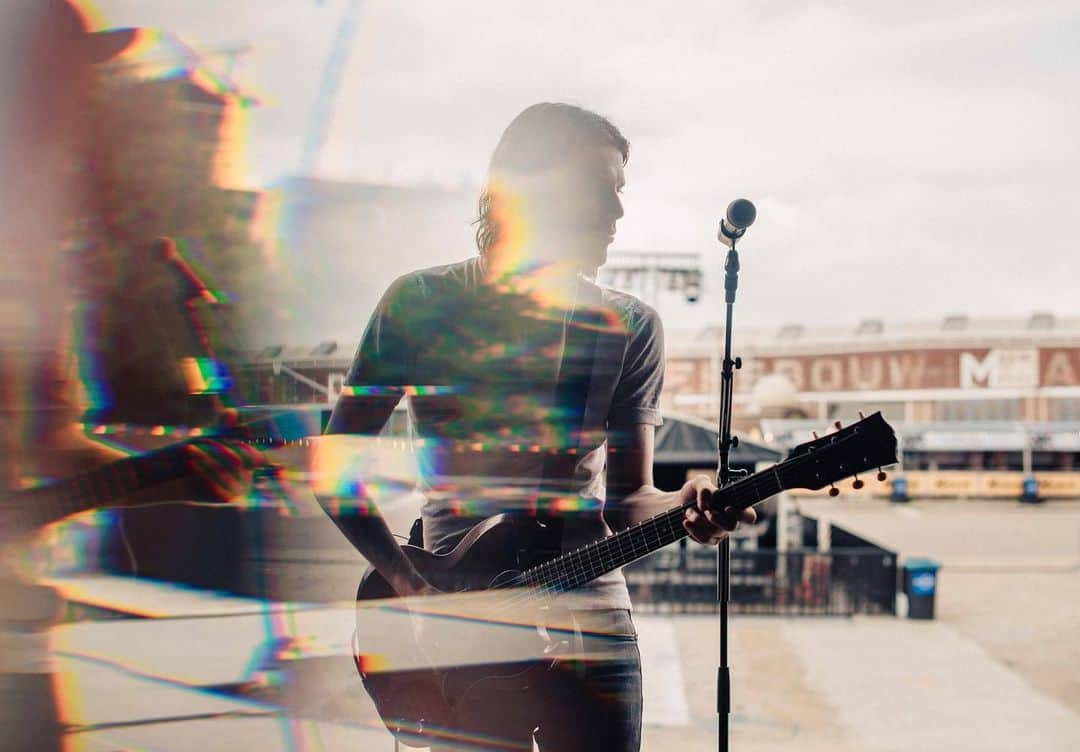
{"x": 981, "y": 404}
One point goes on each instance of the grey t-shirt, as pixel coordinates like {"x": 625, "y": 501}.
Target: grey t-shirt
{"x": 513, "y": 399}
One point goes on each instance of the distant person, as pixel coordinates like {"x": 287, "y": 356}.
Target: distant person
{"x": 46, "y": 72}
{"x": 534, "y": 391}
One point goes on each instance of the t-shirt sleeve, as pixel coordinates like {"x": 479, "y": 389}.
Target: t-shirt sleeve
{"x": 637, "y": 395}
{"x": 385, "y": 360}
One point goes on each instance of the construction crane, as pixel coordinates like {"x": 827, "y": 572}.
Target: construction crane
{"x": 323, "y": 111}
{"x": 172, "y": 52}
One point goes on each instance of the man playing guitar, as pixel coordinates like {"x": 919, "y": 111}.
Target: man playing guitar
{"x": 535, "y": 392}
{"x": 46, "y": 76}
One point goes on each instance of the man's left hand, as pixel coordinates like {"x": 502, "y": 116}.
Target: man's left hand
{"x": 226, "y": 468}
{"x": 703, "y": 522}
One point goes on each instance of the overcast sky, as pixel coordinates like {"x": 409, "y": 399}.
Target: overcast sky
{"x": 907, "y": 160}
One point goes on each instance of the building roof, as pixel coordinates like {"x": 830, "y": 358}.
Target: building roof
{"x": 685, "y": 440}
{"x": 947, "y": 436}
{"x": 877, "y": 333}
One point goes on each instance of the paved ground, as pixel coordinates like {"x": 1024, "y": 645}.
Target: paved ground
{"x": 1010, "y": 576}
{"x": 998, "y": 670}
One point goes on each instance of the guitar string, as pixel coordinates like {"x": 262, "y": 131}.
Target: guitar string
{"x": 565, "y": 575}
{"x": 567, "y": 567}
{"x": 87, "y": 490}
{"x": 564, "y": 569}
{"x": 639, "y": 537}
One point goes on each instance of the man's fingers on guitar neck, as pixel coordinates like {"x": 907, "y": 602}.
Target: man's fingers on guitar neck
{"x": 236, "y": 451}
{"x": 721, "y": 520}
{"x": 221, "y": 483}
{"x": 748, "y": 515}
{"x": 695, "y": 530}
{"x": 701, "y": 491}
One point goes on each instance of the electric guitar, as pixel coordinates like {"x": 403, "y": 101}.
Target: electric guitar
{"x": 416, "y": 701}
{"x": 26, "y": 606}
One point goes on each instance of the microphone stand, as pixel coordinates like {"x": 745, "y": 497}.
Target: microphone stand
{"x": 726, "y": 475}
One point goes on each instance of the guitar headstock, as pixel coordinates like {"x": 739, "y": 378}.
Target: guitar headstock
{"x": 867, "y": 445}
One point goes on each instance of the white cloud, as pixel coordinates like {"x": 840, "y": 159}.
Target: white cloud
{"x": 889, "y": 147}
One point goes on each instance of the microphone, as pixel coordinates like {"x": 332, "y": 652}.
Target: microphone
{"x": 740, "y": 215}
{"x": 192, "y": 286}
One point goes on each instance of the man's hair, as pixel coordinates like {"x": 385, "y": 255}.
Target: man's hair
{"x": 538, "y": 138}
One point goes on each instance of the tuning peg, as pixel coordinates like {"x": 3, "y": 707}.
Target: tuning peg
{"x": 833, "y": 490}
{"x": 857, "y": 484}
{"x": 861, "y": 416}
{"x": 838, "y": 426}
{"x": 881, "y": 474}
{"x": 814, "y": 434}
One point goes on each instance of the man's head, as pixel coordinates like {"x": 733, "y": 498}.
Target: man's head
{"x": 553, "y": 190}
{"x": 47, "y": 54}
{"x": 47, "y": 57}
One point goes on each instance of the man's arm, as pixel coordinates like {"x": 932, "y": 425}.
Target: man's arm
{"x": 59, "y": 448}
{"x": 364, "y": 526}
{"x": 629, "y": 470}
{"x": 632, "y": 497}
{"x": 385, "y": 363}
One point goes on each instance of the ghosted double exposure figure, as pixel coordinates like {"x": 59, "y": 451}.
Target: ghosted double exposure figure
{"x": 47, "y": 59}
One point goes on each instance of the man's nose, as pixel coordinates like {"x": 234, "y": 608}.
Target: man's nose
{"x": 618, "y": 207}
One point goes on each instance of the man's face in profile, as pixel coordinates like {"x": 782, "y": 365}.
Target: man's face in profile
{"x": 573, "y": 207}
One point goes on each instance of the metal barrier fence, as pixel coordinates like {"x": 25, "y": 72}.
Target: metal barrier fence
{"x": 842, "y": 582}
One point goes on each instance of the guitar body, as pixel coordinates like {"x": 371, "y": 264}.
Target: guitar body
{"x": 416, "y": 704}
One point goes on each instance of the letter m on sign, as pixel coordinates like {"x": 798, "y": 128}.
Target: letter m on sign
{"x": 976, "y": 373}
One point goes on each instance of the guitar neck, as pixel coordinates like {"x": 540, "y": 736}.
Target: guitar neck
{"x": 575, "y": 568}
{"x": 40, "y": 506}
{"x": 35, "y": 507}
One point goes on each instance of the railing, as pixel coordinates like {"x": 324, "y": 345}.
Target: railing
{"x": 682, "y": 579}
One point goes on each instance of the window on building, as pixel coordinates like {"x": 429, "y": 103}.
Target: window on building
{"x": 1064, "y": 408}
{"x": 1000, "y": 409}
{"x": 870, "y": 326}
{"x": 954, "y": 323}
{"x": 790, "y": 331}
{"x": 848, "y": 412}
{"x": 1041, "y": 322}
{"x": 1050, "y": 461}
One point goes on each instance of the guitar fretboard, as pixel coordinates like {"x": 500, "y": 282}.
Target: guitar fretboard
{"x": 35, "y": 507}
{"x": 574, "y": 569}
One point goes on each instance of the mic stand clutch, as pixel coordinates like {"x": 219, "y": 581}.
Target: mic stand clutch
{"x": 726, "y": 475}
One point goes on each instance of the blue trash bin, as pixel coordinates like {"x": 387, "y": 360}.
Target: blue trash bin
{"x": 920, "y": 587}
{"x": 899, "y": 488}
{"x": 1030, "y": 493}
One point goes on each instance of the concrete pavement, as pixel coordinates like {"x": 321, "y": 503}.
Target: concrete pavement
{"x": 872, "y": 683}
{"x": 998, "y": 670}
